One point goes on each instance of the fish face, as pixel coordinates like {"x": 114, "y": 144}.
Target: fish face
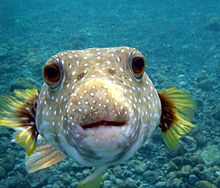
{"x": 97, "y": 105}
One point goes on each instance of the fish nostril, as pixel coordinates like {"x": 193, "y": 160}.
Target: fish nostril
{"x": 80, "y": 76}
{"x": 111, "y": 71}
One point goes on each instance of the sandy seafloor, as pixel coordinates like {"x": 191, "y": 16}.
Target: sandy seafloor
{"x": 180, "y": 50}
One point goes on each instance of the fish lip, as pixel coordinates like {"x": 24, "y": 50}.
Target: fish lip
{"x": 104, "y": 123}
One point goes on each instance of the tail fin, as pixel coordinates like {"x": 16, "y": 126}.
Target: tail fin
{"x": 178, "y": 109}
{"x": 18, "y": 112}
{"x": 93, "y": 180}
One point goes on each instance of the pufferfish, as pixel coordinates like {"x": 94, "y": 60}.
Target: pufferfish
{"x": 97, "y": 106}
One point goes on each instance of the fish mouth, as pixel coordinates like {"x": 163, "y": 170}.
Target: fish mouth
{"x": 104, "y": 123}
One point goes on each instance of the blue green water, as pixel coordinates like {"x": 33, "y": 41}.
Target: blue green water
{"x": 181, "y": 40}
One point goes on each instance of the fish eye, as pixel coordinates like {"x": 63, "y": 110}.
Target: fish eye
{"x": 52, "y": 74}
{"x": 138, "y": 67}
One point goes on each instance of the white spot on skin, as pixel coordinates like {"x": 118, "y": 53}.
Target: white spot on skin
{"x": 118, "y": 59}
{"x": 62, "y": 61}
{"x": 73, "y": 73}
{"x": 124, "y": 83}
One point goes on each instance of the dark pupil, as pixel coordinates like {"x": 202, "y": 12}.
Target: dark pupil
{"x": 52, "y": 73}
{"x": 138, "y": 65}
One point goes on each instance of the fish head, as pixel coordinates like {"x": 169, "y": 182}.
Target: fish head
{"x": 97, "y": 105}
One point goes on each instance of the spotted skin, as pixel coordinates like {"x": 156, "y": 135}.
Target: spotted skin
{"x": 98, "y": 84}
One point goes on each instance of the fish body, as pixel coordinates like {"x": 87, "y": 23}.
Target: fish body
{"x": 98, "y": 86}
{"x": 96, "y": 106}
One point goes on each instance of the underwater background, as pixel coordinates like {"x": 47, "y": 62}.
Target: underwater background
{"x": 181, "y": 40}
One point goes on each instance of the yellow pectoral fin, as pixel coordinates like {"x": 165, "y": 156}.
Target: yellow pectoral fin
{"x": 93, "y": 180}
{"x": 18, "y": 112}
{"x": 44, "y": 155}
{"x": 177, "y": 111}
